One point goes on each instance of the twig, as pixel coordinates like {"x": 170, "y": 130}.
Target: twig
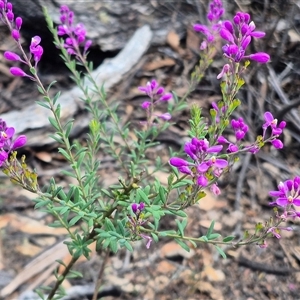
{"x": 100, "y": 276}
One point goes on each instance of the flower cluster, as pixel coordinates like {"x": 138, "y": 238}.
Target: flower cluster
{"x": 136, "y": 221}
{"x": 7, "y": 141}
{"x": 206, "y": 168}
{"x": 240, "y": 129}
{"x": 8, "y": 18}
{"x": 214, "y": 15}
{"x": 156, "y": 94}
{"x": 76, "y": 33}
{"x": 275, "y": 130}
{"x": 239, "y": 34}
{"x": 287, "y": 196}
{"x": 14, "y": 24}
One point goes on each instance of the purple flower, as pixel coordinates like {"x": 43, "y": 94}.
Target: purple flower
{"x": 260, "y": 57}
{"x": 146, "y": 104}
{"x": 11, "y": 56}
{"x": 36, "y": 49}
{"x": 165, "y": 116}
{"x": 178, "y": 162}
{"x": 15, "y": 34}
{"x": 239, "y": 35}
{"x": 137, "y": 208}
{"x": 216, "y": 11}
{"x": 19, "y": 142}
{"x": 7, "y": 141}
{"x": 271, "y": 122}
{"x": 75, "y": 34}
{"x": 18, "y": 72}
{"x": 240, "y": 128}
{"x": 147, "y": 238}
{"x": 18, "y": 22}
{"x": 288, "y": 193}
{"x": 155, "y": 92}
{"x": 225, "y": 70}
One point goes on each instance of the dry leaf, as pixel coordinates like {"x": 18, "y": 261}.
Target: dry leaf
{"x": 157, "y": 64}
{"x": 44, "y": 156}
{"x": 212, "y": 274}
{"x": 173, "y": 39}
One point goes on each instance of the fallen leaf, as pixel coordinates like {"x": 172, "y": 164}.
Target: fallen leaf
{"x": 212, "y": 274}
{"x": 160, "y": 63}
{"x": 173, "y": 39}
{"x": 28, "y": 249}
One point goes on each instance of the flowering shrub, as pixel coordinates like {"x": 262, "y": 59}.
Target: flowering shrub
{"x": 117, "y": 215}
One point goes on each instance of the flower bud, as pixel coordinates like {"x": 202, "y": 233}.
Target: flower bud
{"x": 19, "y": 22}
{"x": 260, "y": 57}
{"x": 15, "y": 34}
{"x": 178, "y": 162}
{"x": 19, "y": 142}
{"x": 11, "y": 56}
{"x": 17, "y": 72}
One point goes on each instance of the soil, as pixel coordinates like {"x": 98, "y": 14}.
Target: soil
{"x": 165, "y": 271}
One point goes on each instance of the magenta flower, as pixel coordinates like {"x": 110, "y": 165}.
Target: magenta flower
{"x": 75, "y": 34}
{"x": 155, "y": 92}
{"x": 18, "y": 72}
{"x": 214, "y": 15}
{"x": 7, "y": 141}
{"x": 260, "y": 57}
{"x": 239, "y": 35}
{"x": 146, "y": 104}
{"x": 35, "y": 49}
{"x": 240, "y": 128}
{"x": 178, "y": 162}
{"x": 271, "y": 122}
{"x": 137, "y": 208}
{"x": 165, "y": 116}
{"x": 11, "y": 56}
{"x": 205, "y": 166}
{"x": 288, "y": 193}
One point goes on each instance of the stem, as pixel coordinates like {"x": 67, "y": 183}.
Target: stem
{"x": 62, "y": 277}
{"x": 100, "y": 276}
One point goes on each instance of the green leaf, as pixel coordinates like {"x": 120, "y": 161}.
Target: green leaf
{"x": 68, "y": 127}
{"x": 180, "y": 227}
{"x": 162, "y": 194}
{"x": 214, "y": 236}
{"x": 155, "y": 237}
{"x": 67, "y": 173}
{"x": 43, "y": 104}
{"x": 143, "y": 196}
{"x": 64, "y": 153}
{"x": 228, "y": 238}
{"x": 182, "y": 245}
{"x": 179, "y": 213}
{"x": 42, "y": 203}
{"x": 210, "y": 229}
{"x": 193, "y": 243}
{"x": 221, "y": 252}
{"x": 113, "y": 245}
{"x": 182, "y": 183}
{"x": 64, "y": 210}
{"x": 74, "y": 220}
{"x": 57, "y": 95}
{"x": 54, "y": 123}
{"x": 76, "y": 194}
{"x": 74, "y": 274}
{"x": 121, "y": 227}
{"x": 128, "y": 246}
{"x": 109, "y": 225}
